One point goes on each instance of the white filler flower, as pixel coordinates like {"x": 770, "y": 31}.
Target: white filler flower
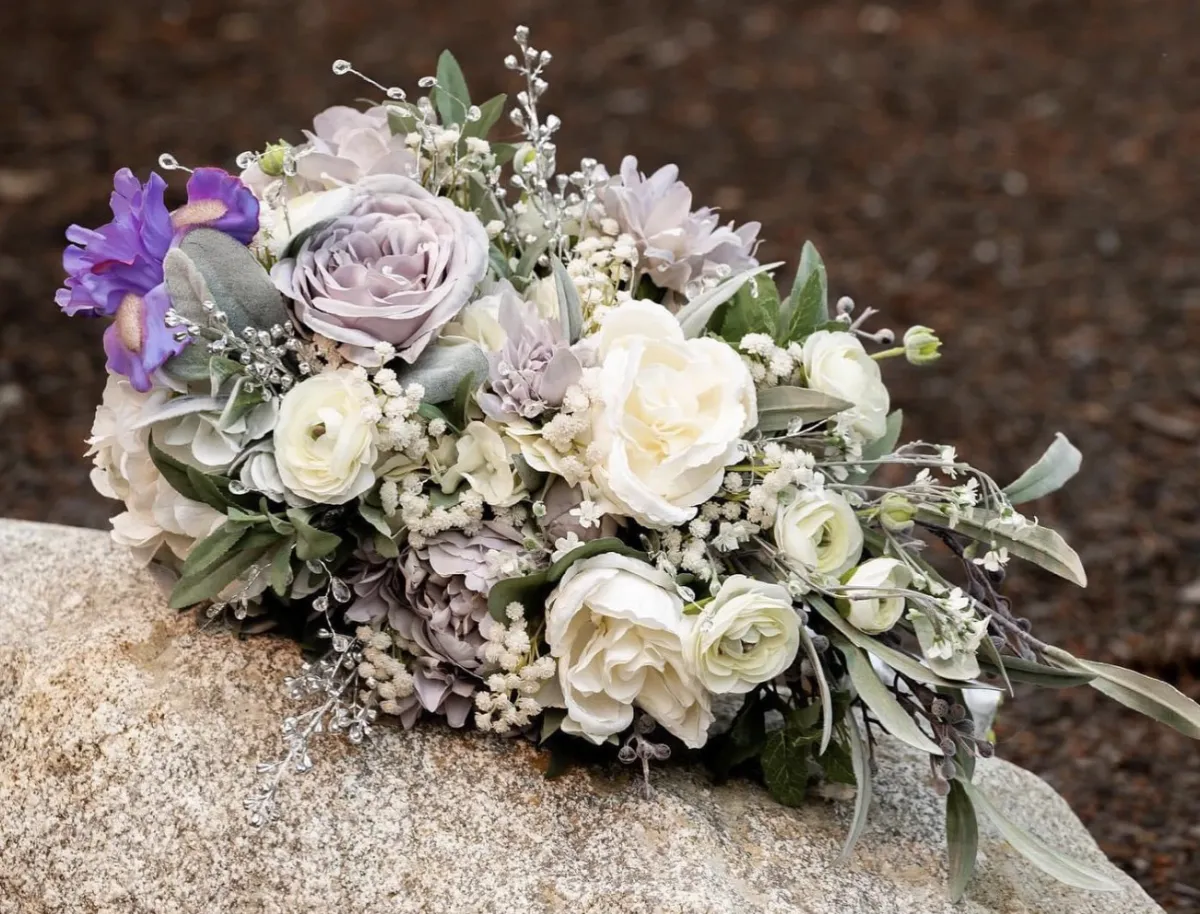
{"x": 616, "y": 626}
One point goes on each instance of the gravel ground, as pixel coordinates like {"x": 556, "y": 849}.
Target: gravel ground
{"x": 1020, "y": 175}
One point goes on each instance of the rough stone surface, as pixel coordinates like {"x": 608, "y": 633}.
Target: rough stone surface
{"x": 127, "y": 742}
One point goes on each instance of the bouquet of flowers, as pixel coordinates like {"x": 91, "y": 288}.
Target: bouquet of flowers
{"x": 551, "y": 456}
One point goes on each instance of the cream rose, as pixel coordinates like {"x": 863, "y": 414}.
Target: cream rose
{"x": 671, "y": 414}
{"x": 819, "y": 531}
{"x": 324, "y": 443}
{"x": 748, "y": 634}
{"x": 874, "y": 615}
{"x": 616, "y": 627}
{"x": 484, "y": 460}
{"x": 835, "y": 363}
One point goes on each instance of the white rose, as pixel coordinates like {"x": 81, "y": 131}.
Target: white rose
{"x": 671, "y": 414}
{"x": 819, "y": 531}
{"x": 835, "y": 363}
{"x": 615, "y": 625}
{"x": 324, "y": 443}
{"x": 485, "y": 462}
{"x": 874, "y": 615}
{"x": 155, "y": 514}
{"x": 748, "y": 634}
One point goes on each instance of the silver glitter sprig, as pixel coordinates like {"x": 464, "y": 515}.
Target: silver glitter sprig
{"x": 331, "y": 685}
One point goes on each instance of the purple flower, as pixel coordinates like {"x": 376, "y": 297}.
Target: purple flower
{"x": 116, "y": 270}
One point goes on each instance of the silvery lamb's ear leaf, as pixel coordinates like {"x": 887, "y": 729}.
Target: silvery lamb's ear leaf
{"x": 694, "y": 316}
{"x": 962, "y": 839}
{"x": 860, "y": 758}
{"x": 569, "y": 308}
{"x": 1035, "y": 850}
{"x": 234, "y": 281}
{"x": 450, "y": 95}
{"x": 188, "y": 291}
{"x": 814, "y": 660}
{"x": 881, "y": 701}
{"x": 1033, "y": 543}
{"x": 807, "y": 305}
{"x": 779, "y": 407}
{"x": 441, "y": 368}
{"x": 1051, "y": 472}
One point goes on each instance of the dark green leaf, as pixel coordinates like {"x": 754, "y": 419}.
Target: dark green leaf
{"x": 743, "y": 741}
{"x": 552, "y": 719}
{"x": 213, "y": 549}
{"x": 694, "y": 317}
{"x": 281, "y": 568}
{"x": 504, "y": 152}
{"x": 193, "y": 588}
{"x": 814, "y": 660}
{"x": 585, "y": 551}
{"x": 311, "y": 543}
{"x": 450, "y": 96}
{"x": 807, "y": 305}
{"x": 784, "y": 759}
{"x": 962, "y": 839}
{"x": 173, "y": 471}
{"x": 838, "y": 764}
{"x": 208, "y": 491}
{"x": 878, "y": 449}
{"x": 754, "y": 309}
{"x": 526, "y": 590}
{"x": 489, "y": 113}
{"x": 403, "y": 117}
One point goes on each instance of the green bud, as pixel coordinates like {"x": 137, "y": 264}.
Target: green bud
{"x": 896, "y": 513}
{"x": 271, "y": 161}
{"x": 921, "y": 345}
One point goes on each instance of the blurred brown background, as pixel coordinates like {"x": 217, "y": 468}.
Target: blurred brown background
{"x": 1020, "y": 175}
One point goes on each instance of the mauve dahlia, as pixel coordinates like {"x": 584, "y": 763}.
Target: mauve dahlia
{"x": 394, "y": 266}
{"x": 676, "y": 244}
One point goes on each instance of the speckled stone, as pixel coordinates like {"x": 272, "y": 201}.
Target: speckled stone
{"x": 128, "y": 740}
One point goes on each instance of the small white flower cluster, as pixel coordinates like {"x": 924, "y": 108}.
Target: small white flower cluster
{"x": 771, "y": 365}
{"x": 382, "y": 673}
{"x": 447, "y": 158}
{"x": 509, "y": 701}
{"x": 603, "y": 263}
{"x": 957, "y": 629}
{"x": 570, "y": 428}
{"x": 399, "y": 426}
{"x": 424, "y": 519}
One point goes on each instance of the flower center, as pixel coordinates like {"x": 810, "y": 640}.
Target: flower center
{"x": 201, "y": 212}
{"x": 130, "y": 327}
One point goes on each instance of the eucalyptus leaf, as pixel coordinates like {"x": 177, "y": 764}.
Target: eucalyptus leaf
{"x": 962, "y": 839}
{"x": 482, "y": 200}
{"x": 525, "y": 590}
{"x": 814, "y": 659}
{"x": 570, "y": 309}
{"x": 1033, "y": 543}
{"x": 779, "y": 407}
{"x": 1052, "y": 471}
{"x": 1144, "y": 694}
{"x": 860, "y": 758}
{"x": 603, "y": 545}
{"x": 1020, "y": 670}
{"x": 450, "y": 95}
{"x": 882, "y": 702}
{"x": 498, "y": 263}
{"x": 403, "y": 117}
{"x": 1035, "y": 850}
{"x": 807, "y": 305}
{"x": 694, "y": 316}
{"x": 441, "y": 368}
{"x": 431, "y": 412}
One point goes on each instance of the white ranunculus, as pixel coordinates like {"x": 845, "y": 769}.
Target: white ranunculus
{"x": 325, "y": 445}
{"x": 835, "y": 363}
{"x": 874, "y": 615}
{"x": 672, "y": 412}
{"x": 155, "y": 514}
{"x": 616, "y": 627}
{"x": 819, "y": 531}
{"x": 485, "y": 461}
{"x": 748, "y": 634}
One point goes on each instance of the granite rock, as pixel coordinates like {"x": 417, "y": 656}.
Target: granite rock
{"x": 128, "y": 740}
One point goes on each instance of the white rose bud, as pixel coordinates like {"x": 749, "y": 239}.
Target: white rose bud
{"x": 875, "y": 615}
{"x": 835, "y": 363}
{"x": 671, "y": 413}
{"x": 616, "y": 627}
{"x": 819, "y": 531}
{"x": 896, "y": 513}
{"x": 325, "y": 447}
{"x": 748, "y": 634}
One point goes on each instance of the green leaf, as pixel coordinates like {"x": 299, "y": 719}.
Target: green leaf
{"x": 311, "y": 543}
{"x": 878, "y": 449}
{"x": 807, "y": 305}
{"x": 754, "y": 309}
{"x": 784, "y": 761}
{"x": 498, "y": 263}
{"x": 897, "y": 660}
{"x": 860, "y": 758}
{"x": 826, "y": 699}
{"x": 962, "y": 839}
{"x": 1143, "y": 694}
{"x": 838, "y": 764}
{"x": 489, "y": 113}
{"x": 694, "y": 316}
{"x": 482, "y": 200}
{"x": 882, "y": 702}
{"x": 604, "y": 544}
{"x": 196, "y": 587}
{"x": 1033, "y": 543}
{"x": 207, "y": 490}
{"x": 173, "y": 471}
{"x": 529, "y": 258}
{"x": 281, "y": 568}
{"x": 1051, "y": 472}
{"x": 779, "y": 407}
{"x": 1036, "y": 851}
{"x": 403, "y": 117}
{"x": 213, "y": 549}
{"x": 1020, "y": 670}
{"x": 462, "y": 397}
{"x": 552, "y": 719}
{"x": 431, "y": 412}
{"x": 743, "y": 741}
{"x": 504, "y": 152}
{"x": 570, "y": 309}
{"x": 450, "y": 95}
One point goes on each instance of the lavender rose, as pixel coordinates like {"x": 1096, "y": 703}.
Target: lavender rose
{"x": 394, "y": 266}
